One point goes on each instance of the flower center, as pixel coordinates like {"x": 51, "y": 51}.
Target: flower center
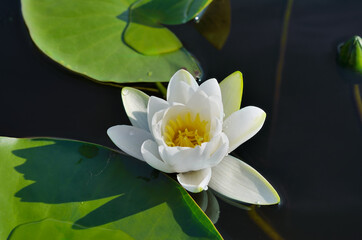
{"x": 184, "y": 132}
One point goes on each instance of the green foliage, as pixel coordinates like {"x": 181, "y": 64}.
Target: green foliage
{"x": 145, "y": 32}
{"x": 78, "y": 190}
{"x": 91, "y": 37}
{"x": 58, "y": 230}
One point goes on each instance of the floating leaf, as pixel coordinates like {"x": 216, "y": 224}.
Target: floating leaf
{"x": 214, "y": 23}
{"x": 85, "y": 190}
{"x": 145, "y": 32}
{"x": 86, "y": 37}
{"x": 58, "y": 230}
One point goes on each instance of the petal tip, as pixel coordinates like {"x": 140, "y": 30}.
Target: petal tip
{"x": 184, "y": 75}
{"x": 194, "y": 189}
{"x": 110, "y": 131}
{"x": 195, "y": 181}
{"x": 276, "y": 195}
{"x": 238, "y": 182}
{"x": 125, "y": 91}
{"x": 237, "y": 74}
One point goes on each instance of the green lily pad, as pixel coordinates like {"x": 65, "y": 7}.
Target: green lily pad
{"x": 88, "y": 37}
{"x": 59, "y": 230}
{"x": 83, "y": 190}
{"x": 145, "y": 32}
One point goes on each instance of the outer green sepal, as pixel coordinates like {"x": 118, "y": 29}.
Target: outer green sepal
{"x": 232, "y": 91}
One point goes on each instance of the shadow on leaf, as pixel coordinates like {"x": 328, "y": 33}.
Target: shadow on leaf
{"x": 70, "y": 171}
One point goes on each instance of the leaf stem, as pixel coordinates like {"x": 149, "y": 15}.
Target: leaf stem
{"x": 161, "y": 88}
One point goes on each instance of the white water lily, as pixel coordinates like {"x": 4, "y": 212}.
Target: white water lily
{"x": 192, "y": 131}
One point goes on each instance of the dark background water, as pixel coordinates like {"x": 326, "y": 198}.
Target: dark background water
{"x": 310, "y": 148}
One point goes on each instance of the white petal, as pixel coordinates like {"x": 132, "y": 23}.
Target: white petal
{"x": 216, "y": 156}
{"x": 209, "y": 107}
{"x": 181, "y": 87}
{"x": 237, "y": 181}
{"x": 156, "y": 126}
{"x": 155, "y": 104}
{"x": 181, "y": 93}
{"x": 242, "y": 125}
{"x": 185, "y": 159}
{"x": 129, "y": 139}
{"x": 150, "y": 154}
{"x": 232, "y": 91}
{"x": 135, "y": 103}
{"x": 211, "y": 88}
{"x": 195, "y": 181}
{"x": 216, "y": 127}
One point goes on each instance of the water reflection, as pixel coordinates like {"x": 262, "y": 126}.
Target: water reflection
{"x": 263, "y": 224}
{"x": 210, "y": 205}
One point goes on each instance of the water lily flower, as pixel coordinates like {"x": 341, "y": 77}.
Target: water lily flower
{"x": 191, "y": 134}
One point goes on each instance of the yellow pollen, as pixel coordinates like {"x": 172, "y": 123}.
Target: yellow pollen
{"x": 185, "y": 132}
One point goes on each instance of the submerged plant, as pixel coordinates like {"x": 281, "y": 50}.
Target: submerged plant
{"x": 350, "y": 54}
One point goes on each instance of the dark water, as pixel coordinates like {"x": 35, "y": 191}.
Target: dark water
{"x": 310, "y": 148}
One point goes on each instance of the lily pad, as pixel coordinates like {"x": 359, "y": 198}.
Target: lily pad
{"x": 84, "y": 190}
{"x": 59, "y": 230}
{"x": 87, "y": 37}
{"x": 145, "y": 32}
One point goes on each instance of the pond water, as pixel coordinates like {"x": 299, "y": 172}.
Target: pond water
{"x": 310, "y": 148}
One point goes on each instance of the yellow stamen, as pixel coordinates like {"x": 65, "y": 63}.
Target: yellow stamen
{"x": 184, "y": 132}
